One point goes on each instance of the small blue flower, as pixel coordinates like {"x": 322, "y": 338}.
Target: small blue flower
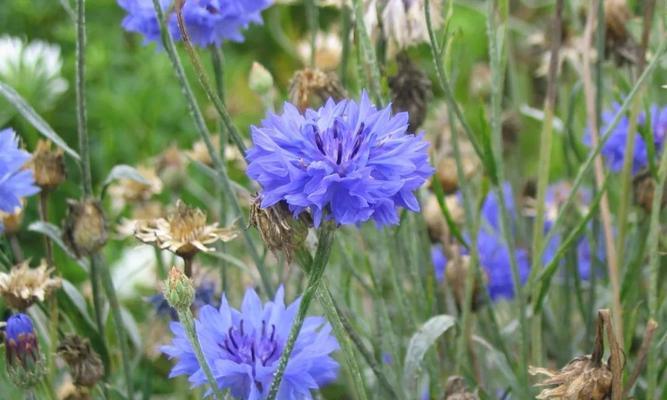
{"x": 243, "y": 348}
{"x": 614, "y": 149}
{"x": 347, "y": 162}
{"x": 204, "y": 295}
{"x": 439, "y": 260}
{"x": 21, "y": 341}
{"x": 15, "y": 182}
{"x": 209, "y": 22}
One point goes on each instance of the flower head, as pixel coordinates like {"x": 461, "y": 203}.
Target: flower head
{"x": 25, "y": 364}
{"x": 23, "y": 286}
{"x": 614, "y": 149}
{"x": 48, "y": 165}
{"x": 347, "y": 162}
{"x": 85, "y": 230}
{"x": 84, "y": 363}
{"x": 184, "y": 232}
{"x": 243, "y": 348}
{"x": 204, "y": 295}
{"x": 208, "y": 22}
{"x": 15, "y": 182}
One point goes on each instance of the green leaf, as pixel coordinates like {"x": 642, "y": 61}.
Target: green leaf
{"x": 131, "y": 327}
{"x": 77, "y": 299}
{"x": 35, "y": 120}
{"x": 420, "y": 342}
{"x": 54, "y": 232}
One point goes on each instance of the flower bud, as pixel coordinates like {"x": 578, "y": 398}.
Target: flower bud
{"x": 260, "y": 79}
{"x": 48, "y": 166}
{"x": 85, "y": 364}
{"x": 25, "y": 364}
{"x": 179, "y": 290}
{"x": 85, "y": 230}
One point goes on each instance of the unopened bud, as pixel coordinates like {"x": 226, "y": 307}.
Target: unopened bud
{"x": 179, "y": 290}
{"x": 85, "y": 230}
{"x": 25, "y": 364}
{"x": 260, "y": 79}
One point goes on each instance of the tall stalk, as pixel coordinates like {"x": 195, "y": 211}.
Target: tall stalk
{"x": 369, "y": 58}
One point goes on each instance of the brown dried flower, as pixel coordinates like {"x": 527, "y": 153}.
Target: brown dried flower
{"x": 85, "y": 364}
{"x": 456, "y": 389}
{"x": 129, "y": 191}
{"x": 184, "y": 232}
{"x": 580, "y": 379}
{"x": 435, "y": 221}
{"x": 279, "y": 230}
{"x": 644, "y": 191}
{"x": 48, "y": 165}
{"x": 312, "y": 87}
{"x": 410, "y": 91}
{"x": 12, "y": 222}
{"x": 456, "y": 273}
{"x": 23, "y": 286}
{"x": 85, "y": 230}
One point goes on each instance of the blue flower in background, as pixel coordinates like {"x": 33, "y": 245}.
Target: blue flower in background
{"x": 15, "y": 182}
{"x": 439, "y": 260}
{"x": 243, "y": 348}
{"x": 347, "y": 161}
{"x": 614, "y": 149}
{"x": 20, "y": 341}
{"x": 204, "y": 295}
{"x": 209, "y": 22}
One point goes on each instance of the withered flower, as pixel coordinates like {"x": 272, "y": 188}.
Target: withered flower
{"x": 85, "y": 230}
{"x": 85, "y": 364}
{"x": 410, "y": 91}
{"x": 456, "y": 274}
{"x": 435, "y": 221}
{"x": 184, "y": 232}
{"x": 48, "y": 165}
{"x": 11, "y": 223}
{"x": 141, "y": 214}
{"x": 456, "y": 389}
{"x": 23, "y": 286}
{"x": 644, "y": 191}
{"x": 129, "y": 191}
{"x": 279, "y": 230}
{"x": 312, "y": 87}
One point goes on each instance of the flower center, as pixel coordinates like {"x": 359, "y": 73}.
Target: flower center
{"x": 338, "y": 147}
{"x": 251, "y": 347}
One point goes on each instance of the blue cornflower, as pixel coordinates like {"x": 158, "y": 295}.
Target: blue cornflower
{"x": 15, "y": 182}
{"x": 346, "y": 161}
{"x": 20, "y": 341}
{"x": 209, "y": 22}
{"x": 614, "y": 149}
{"x": 243, "y": 348}
{"x": 439, "y": 260}
{"x": 204, "y": 295}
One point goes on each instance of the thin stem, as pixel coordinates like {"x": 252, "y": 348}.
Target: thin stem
{"x": 605, "y": 214}
{"x": 187, "y": 266}
{"x": 346, "y": 28}
{"x": 312, "y": 17}
{"x": 654, "y": 299}
{"x": 17, "y": 252}
{"x": 81, "y": 118}
{"x": 369, "y": 59}
{"x": 44, "y": 216}
{"x": 110, "y": 291}
{"x": 53, "y": 301}
{"x": 187, "y": 320}
{"x": 543, "y": 175}
{"x": 315, "y": 274}
{"x": 196, "y": 114}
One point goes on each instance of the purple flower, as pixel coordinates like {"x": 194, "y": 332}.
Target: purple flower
{"x": 243, "y": 348}
{"x": 345, "y": 162}
{"x": 208, "y": 22}
{"x": 20, "y": 341}
{"x": 15, "y": 182}
{"x": 204, "y": 295}
{"x": 614, "y": 149}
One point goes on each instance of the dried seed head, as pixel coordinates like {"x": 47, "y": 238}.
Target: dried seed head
{"x": 11, "y": 223}
{"x": 437, "y": 225}
{"x": 48, "y": 165}
{"x": 24, "y": 286}
{"x": 184, "y": 232}
{"x": 312, "y": 87}
{"x": 279, "y": 230}
{"x": 456, "y": 272}
{"x": 619, "y": 42}
{"x": 85, "y": 230}
{"x": 580, "y": 379}
{"x": 85, "y": 364}
{"x": 410, "y": 91}
{"x": 644, "y": 191}
{"x": 179, "y": 290}
{"x": 456, "y": 389}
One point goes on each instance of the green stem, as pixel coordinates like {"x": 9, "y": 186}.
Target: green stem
{"x": 312, "y": 17}
{"x": 187, "y": 320}
{"x": 345, "y": 39}
{"x": 81, "y": 118}
{"x": 198, "y": 118}
{"x": 110, "y": 291}
{"x": 369, "y": 59}
{"x": 654, "y": 299}
{"x": 543, "y": 176}
{"x": 315, "y": 274}
{"x": 53, "y": 301}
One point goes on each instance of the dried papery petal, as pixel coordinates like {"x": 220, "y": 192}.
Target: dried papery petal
{"x": 279, "y": 230}
{"x": 23, "y": 286}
